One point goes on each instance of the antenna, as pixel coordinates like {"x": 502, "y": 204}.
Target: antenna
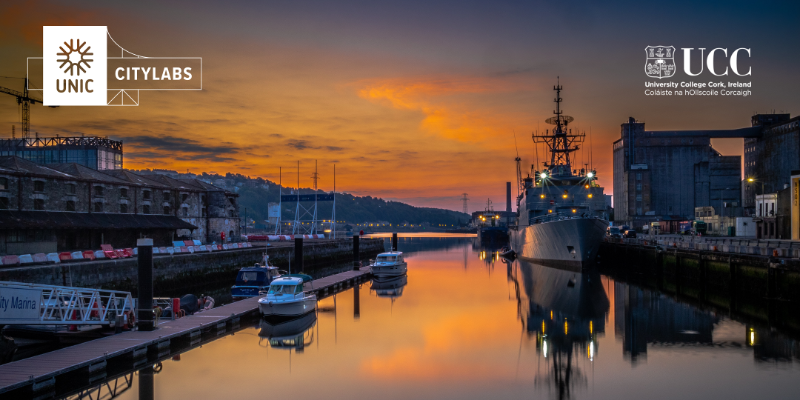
{"x": 561, "y": 142}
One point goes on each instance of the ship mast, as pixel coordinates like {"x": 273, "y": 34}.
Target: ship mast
{"x": 561, "y": 142}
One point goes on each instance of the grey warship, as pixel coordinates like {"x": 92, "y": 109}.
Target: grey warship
{"x": 561, "y": 212}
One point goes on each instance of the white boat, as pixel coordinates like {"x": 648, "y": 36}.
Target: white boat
{"x": 389, "y": 264}
{"x": 286, "y": 298}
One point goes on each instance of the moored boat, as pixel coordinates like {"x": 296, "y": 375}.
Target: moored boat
{"x": 561, "y": 211}
{"x": 389, "y": 264}
{"x": 252, "y": 280}
{"x": 286, "y": 298}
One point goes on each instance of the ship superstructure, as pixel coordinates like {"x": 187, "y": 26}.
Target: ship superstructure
{"x": 561, "y": 211}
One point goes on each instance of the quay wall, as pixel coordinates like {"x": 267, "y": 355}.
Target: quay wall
{"x": 185, "y": 270}
{"x": 704, "y": 273}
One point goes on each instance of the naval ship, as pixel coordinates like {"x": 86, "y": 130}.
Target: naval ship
{"x": 561, "y": 211}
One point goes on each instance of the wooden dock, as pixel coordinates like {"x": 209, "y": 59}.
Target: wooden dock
{"x": 88, "y": 361}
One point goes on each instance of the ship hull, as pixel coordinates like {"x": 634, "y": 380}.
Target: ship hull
{"x": 570, "y": 244}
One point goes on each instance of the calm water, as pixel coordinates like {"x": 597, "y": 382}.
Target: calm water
{"x": 464, "y": 325}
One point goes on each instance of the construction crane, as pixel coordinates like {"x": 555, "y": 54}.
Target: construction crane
{"x": 25, "y": 100}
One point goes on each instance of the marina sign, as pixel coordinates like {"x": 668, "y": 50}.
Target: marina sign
{"x": 19, "y": 304}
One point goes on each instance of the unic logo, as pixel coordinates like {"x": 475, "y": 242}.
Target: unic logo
{"x": 75, "y": 55}
{"x": 660, "y": 61}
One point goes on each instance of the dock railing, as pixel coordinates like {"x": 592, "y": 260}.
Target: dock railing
{"x": 33, "y": 304}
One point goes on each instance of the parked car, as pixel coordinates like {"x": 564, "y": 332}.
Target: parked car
{"x": 630, "y": 233}
{"x": 613, "y": 232}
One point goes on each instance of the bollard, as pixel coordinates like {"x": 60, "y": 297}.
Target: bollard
{"x": 118, "y": 323}
{"x": 145, "y": 302}
{"x": 298, "y": 253}
{"x": 176, "y": 308}
{"x": 356, "y": 257}
{"x": 394, "y": 241}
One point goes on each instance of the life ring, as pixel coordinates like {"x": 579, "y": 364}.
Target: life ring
{"x": 130, "y": 320}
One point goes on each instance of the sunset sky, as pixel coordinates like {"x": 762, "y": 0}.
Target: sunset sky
{"x": 413, "y": 101}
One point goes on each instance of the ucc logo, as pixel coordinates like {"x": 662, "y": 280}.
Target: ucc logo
{"x": 660, "y": 61}
{"x": 75, "y": 59}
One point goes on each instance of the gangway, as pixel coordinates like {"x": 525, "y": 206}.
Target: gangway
{"x": 34, "y": 304}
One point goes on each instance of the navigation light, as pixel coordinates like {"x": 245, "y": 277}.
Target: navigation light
{"x": 590, "y": 174}
{"x": 543, "y": 175}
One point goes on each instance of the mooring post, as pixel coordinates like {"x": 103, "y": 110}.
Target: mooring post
{"x": 118, "y": 321}
{"x": 394, "y": 241}
{"x": 145, "y": 302}
{"x": 356, "y": 256}
{"x": 298, "y": 254}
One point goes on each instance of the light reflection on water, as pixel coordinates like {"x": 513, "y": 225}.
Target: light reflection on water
{"x": 466, "y": 325}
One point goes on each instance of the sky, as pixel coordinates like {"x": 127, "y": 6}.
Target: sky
{"x": 416, "y": 101}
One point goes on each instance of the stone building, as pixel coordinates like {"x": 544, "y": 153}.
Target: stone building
{"x": 61, "y": 207}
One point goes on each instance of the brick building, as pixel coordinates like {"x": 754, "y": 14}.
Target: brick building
{"x": 62, "y": 207}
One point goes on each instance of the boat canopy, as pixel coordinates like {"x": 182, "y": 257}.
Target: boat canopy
{"x": 287, "y": 280}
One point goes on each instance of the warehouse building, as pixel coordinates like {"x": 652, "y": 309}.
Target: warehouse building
{"x": 67, "y": 206}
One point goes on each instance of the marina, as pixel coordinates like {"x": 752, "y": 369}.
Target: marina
{"x": 42, "y": 373}
{"x": 458, "y": 324}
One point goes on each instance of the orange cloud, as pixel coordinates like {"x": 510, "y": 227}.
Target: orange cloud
{"x": 449, "y": 105}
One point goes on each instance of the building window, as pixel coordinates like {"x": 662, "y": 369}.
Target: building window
{"x": 38, "y": 204}
{"x": 3, "y": 183}
{"x": 639, "y": 186}
{"x": 70, "y": 205}
{"x": 185, "y": 211}
{"x": 184, "y": 197}
{"x": 98, "y": 190}
{"x": 638, "y": 197}
{"x": 123, "y": 192}
{"x": 3, "y": 203}
{"x": 205, "y": 211}
{"x": 166, "y": 196}
{"x": 146, "y": 195}
{"x": 638, "y": 176}
{"x": 166, "y": 210}
{"x": 38, "y": 186}
{"x": 123, "y": 208}
{"x": 71, "y": 188}
{"x": 145, "y": 209}
{"x": 98, "y": 207}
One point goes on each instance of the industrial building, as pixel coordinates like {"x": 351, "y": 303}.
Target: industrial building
{"x": 93, "y": 152}
{"x": 665, "y": 175}
{"x": 65, "y": 207}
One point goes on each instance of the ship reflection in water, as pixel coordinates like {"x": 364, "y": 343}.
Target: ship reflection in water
{"x": 566, "y": 312}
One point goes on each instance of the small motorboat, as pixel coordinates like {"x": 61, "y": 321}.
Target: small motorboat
{"x": 286, "y": 298}
{"x": 252, "y": 280}
{"x": 389, "y": 264}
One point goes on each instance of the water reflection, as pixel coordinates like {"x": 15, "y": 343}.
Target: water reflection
{"x": 294, "y": 334}
{"x": 389, "y": 287}
{"x": 565, "y": 311}
{"x": 645, "y": 317}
